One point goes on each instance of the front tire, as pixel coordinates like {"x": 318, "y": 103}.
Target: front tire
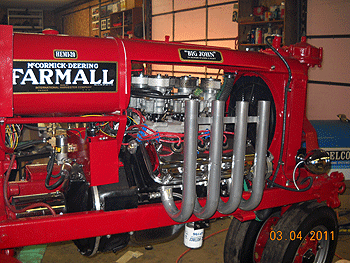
{"x": 306, "y": 233}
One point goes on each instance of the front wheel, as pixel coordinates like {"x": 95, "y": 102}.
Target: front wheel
{"x": 306, "y": 233}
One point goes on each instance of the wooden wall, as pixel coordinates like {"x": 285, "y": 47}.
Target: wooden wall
{"x": 3, "y": 16}
{"x": 49, "y": 20}
{"x": 76, "y": 21}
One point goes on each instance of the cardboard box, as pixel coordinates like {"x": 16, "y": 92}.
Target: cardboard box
{"x": 130, "y": 4}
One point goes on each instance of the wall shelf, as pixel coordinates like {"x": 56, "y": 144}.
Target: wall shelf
{"x": 124, "y": 23}
{"x": 286, "y": 26}
{"x": 262, "y": 22}
{"x": 25, "y": 20}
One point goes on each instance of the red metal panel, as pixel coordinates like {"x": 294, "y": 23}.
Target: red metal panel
{"x": 168, "y": 52}
{"x": 46, "y": 229}
{"x": 99, "y": 155}
{"x": 104, "y": 162}
{"x": 310, "y": 135}
{"x": 87, "y": 50}
{"x": 6, "y": 44}
{"x": 295, "y": 109}
{"x": 101, "y": 118}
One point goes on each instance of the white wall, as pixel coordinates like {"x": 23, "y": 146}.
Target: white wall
{"x": 193, "y": 22}
{"x": 325, "y": 17}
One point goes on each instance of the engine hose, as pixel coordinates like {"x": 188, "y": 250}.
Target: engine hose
{"x": 154, "y": 96}
{"x": 7, "y": 202}
{"x": 25, "y": 145}
{"x": 292, "y": 189}
{"x": 286, "y": 90}
{"x": 227, "y": 86}
{"x": 145, "y": 91}
{"x": 262, "y": 215}
{"x": 49, "y": 169}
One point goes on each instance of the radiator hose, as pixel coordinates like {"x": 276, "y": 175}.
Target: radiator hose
{"x": 225, "y": 92}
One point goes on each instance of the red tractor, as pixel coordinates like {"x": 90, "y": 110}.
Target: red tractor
{"x": 93, "y": 143}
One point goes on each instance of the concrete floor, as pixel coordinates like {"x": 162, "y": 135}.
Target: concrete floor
{"x": 211, "y": 251}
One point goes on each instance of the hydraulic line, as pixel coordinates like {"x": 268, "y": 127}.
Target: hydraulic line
{"x": 62, "y": 174}
{"x": 293, "y": 189}
{"x": 286, "y": 90}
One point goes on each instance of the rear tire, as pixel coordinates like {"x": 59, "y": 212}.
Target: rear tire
{"x": 245, "y": 240}
{"x": 307, "y": 232}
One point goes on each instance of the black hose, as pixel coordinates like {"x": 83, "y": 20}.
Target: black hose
{"x": 286, "y": 90}
{"x": 141, "y": 94}
{"x": 28, "y": 144}
{"x": 227, "y": 87}
{"x": 32, "y": 127}
{"x": 49, "y": 169}
{"x": 146, "y": 91}
{"x": 262, "y": 215}
{"x": 292, "y": 189}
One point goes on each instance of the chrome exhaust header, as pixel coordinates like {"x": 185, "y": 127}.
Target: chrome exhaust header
{"x": 215, "y": 159}
{"x": 190, "y": 165}
{"x": 190, "y": 204}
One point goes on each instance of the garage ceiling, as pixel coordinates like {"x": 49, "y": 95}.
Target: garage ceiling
{"x": 35, "y": 4}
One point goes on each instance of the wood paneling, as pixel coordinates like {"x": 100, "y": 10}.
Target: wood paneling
{"x": 78, "y": 23}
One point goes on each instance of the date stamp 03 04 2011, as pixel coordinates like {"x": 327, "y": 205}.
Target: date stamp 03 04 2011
{"x": 292, "y": 235}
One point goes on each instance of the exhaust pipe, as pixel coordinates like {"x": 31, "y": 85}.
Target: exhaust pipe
{"x": 190, "y": 202}
{"x": 190, "y": 165}
{"x": 262, "y": 128}
{"x": 214, "y": 167}
{"x": 237, "y": 171}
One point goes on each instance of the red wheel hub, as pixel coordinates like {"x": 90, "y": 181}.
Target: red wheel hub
{"x": 263, "y": 237}
{"x": 308, "y": 246}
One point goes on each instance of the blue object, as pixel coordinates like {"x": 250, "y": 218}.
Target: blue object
{"x": 334, "y": 137}
{"x": 335, "y": 134}
{"x": 141, "y": 134}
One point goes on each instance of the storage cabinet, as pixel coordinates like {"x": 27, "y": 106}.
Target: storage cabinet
{"x": 260, "y": 18}
{"x": 25, "y": 20}
{"x": 126, "y": 23}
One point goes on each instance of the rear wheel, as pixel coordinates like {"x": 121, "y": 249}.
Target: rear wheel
{"x": 306, "y": 233}
{"x": 245, "y": 241}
